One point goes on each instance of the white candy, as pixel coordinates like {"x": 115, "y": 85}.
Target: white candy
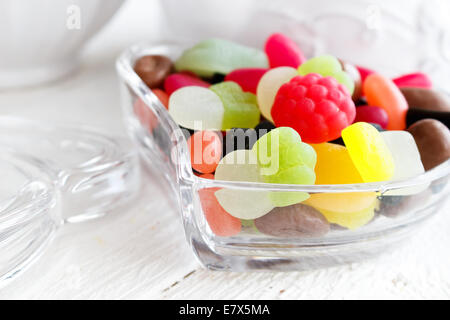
{"x": 241, "y": 165}
{"x": 269, "y": 85}
{"x": 193, "y": 106}
{"x": 406, "y": 158}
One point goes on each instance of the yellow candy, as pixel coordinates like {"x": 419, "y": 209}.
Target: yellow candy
{"x": 369, "y": 152}
{"x": 351, "y": 220}
{"x": 334, "y": 166}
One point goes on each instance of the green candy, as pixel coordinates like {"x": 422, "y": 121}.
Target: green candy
{"x": 241, "y": 108}
{"x": 327, "y": 65}
{"x": 283, "y": 158}
{"x": 249, "y": 226}
{"x": 220, "y": 56}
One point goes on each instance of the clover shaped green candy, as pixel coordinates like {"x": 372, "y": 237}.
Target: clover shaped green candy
{"x": 283, "y": 158}
{"x": 241, "y": 108}
{"x": 327, "y": 65}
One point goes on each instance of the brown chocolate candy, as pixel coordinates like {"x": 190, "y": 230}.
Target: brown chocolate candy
{"x": 296, "y": 221}
{"x": 433, "y": 140}
{"x": 427, "y": 99}
{"x": 355, "y": 76}
{"x": 153, "y": 69}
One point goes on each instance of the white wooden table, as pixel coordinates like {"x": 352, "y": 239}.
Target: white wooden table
{"x": 141, "y": 253}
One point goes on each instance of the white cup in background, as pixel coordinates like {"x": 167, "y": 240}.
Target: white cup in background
{"x": 41, "y": 40}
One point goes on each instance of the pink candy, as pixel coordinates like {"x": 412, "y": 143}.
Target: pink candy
{"x": 247, "y": 78}
{"x": 283, "y": 52}
{"x": 373, "y": 115}
{"x": 364, "y": 72}
{"x": 179, "y": 80}
{"x": 417, "y": 80}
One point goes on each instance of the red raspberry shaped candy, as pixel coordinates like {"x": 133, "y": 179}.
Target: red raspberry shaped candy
{"x": 317, "y": 107}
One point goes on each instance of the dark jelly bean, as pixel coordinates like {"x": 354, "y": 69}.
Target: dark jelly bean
{"x": 153, "y": 69}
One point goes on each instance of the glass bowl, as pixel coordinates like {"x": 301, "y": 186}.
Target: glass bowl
{"x": 393, "y": 209}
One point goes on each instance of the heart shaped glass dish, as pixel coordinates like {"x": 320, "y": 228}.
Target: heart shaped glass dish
{"x": 52, "y": 175}
{"x": 382, "y": 214}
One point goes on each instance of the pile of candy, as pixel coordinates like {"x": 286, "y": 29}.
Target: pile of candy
{"x": 273, "y": 116}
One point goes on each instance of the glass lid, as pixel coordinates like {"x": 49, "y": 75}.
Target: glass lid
{"x": 52, "y": 175}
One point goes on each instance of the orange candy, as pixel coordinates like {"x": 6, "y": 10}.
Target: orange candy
{"x": 382, "y": 92}
{"x": 206, "y": 150}
{"x": 334, "y": 165}
{"x": 221, "y": 222}
{"x": 162, "y": 96}
{"x": 146, "y": 117}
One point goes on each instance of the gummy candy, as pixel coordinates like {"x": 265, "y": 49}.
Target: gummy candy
{"x": 205, "y": 148}
{"x": 327, "y": 65}
{"x": 153, "y": 69}
{"x": 406, "y": 158}
{"x": 364, "y": 72}
{"x": 418, "y": 80}
{"x": 248, "y": 226}
{"x": 351, "y": 210}
{"x": 372, "y": 115}
{"x": 146, "y": 117}
{"x": 221, "y": 107}
{"x": 356, "y": 78}
{"x": 269, "y": 85}
{"x": 334, "y": 166}
{"x": 317, "y": 107}
{"x": 283, "y": 52}
{"x": 427, "y": 99}
{"x": 296, "y": 221}
{"x": 331, "y": 156}
{"x": 220, "y": 56}
{"x": 339, "y": 140}
{"x": 241, "y": 109}
{"x": 369, "y": 152}
{"x": 179, "y": 80}
{"x": 162, "y": 96}
{"x": 240, "y": 165}
{"x": 433, "y": 140}
{"x": 221, "y": 222}
{"x": 284, "y": 158}
{"x": 189, "y": 106}
{"x": 382, "y": 92}
{"x": 247, "y": 78}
